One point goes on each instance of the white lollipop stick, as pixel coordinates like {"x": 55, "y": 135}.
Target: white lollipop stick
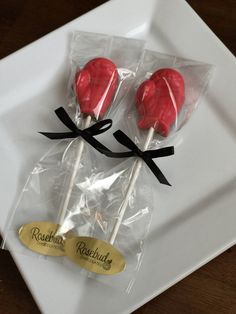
{"x": 64, "y": 206}
{"x": 136, "y": 170}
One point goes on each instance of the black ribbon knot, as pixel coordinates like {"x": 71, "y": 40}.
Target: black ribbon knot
{"x": 87, "y": 134}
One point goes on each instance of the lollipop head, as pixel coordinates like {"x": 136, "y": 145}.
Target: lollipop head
{"x": 95, "y": 86}
{"x": 159, "y": 100}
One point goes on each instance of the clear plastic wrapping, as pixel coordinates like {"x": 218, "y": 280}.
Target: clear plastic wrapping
{"x": 108, "y": 212}
{"x": 103, "y": 69}
{"x": 193, "y": 78}
{"x": 123, "y": 197}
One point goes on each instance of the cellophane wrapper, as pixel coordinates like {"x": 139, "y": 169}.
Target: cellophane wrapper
{"x": 43, "y": 195}
{"x": 196, "y": 76}
{"x": 104, "y": 191}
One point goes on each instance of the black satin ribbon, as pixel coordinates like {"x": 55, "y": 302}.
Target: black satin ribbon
{"x": 101, "y": 127}
{"x": 87, "y": 134}
{"x": 147, "y": 155}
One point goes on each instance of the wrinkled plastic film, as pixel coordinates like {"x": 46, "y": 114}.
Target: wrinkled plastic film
{"x": 53, "y": 192}
{"x": 196, "y": 77}
{"x": 127, "y": 216}
{"x": 112, "y": 201}
{"x": 103, "y": 193}
{"x": 99, "y": 81}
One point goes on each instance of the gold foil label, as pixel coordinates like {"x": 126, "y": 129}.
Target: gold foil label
{"x": 40, "y": 237}
{"x": 94, "y": 255}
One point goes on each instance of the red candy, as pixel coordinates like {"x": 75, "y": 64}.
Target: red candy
{"x": 159, "y": 100}
{"x": 95, "y": 86}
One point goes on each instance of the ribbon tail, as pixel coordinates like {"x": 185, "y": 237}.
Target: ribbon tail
{"x": 58, "y": 136}
{"x": 156, "y": 171}
{"x": 65, "y": 119}
{"x": 161, "y": 152}
{"x": 96, "y": 144}
{"x": 123, "y": 139}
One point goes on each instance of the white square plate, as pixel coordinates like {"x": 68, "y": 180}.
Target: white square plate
{"x": 189, "y": 228}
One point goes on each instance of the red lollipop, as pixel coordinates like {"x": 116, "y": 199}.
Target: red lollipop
{"x": 95, "y": 86}
{"x": 160, "y": 99}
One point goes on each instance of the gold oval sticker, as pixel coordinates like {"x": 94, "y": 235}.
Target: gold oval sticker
{"x": 40, "y": 237}
{"x": 94, "y": 255}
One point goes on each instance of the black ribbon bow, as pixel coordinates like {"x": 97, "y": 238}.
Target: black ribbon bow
{"x": 101, "y": 127}
{"x": 87, "y": 134}
{"x": 147, "y": 155}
